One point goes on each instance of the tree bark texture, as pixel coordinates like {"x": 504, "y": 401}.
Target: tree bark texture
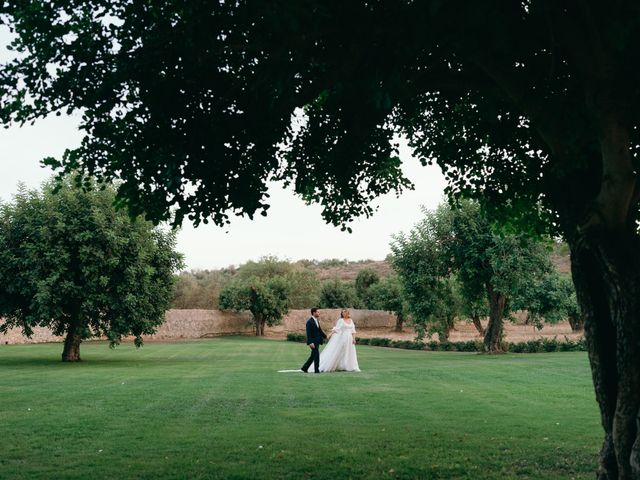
{"x": 577, "y": 323}
{"x": 399, "y": 323}
{"x": 259, "y": 325}
{"x": 606, "y": 272}
{"x": 449, "y": 326}
{"x": 477, "y": 324}
{"x": 71, "y": 351}
{"x": 605, "y": 257}
{"x": 493, "y": 333}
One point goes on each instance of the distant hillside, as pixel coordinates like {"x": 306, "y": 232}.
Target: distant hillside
{"x": 201, "y": 288}
{"x": 348, "y": 270}
{"x": 344, "y": 269}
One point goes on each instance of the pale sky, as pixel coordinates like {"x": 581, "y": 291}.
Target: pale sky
{"x": 292, "y": 230}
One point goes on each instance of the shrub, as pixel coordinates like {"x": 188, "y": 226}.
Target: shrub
{"x": 447, "y": 346}
{"x": 550, "y": 345}
{"x": 379, "y": 342}
{"x": 433, "y": 345}
{"x": 532, "y": 346}
{"x": 470, "y": 346}
{"x": 295, "y": 337}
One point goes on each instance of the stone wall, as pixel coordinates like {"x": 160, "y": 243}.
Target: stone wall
{"x": 40, "y": 335}
{"x": 296, "y": 319}
{"x": 184, "y": 324}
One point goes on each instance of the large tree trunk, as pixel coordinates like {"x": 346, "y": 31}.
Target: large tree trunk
{"x": 477, "y": 324}
{"x": 71, "y": 351}
{"x": 493, "y": 334}
{"x": 606, "y": 272}
{"x": 605, "y": 256}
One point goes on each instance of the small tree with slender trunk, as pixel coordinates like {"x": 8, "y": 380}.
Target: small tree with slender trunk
{"x": 423, "y": 264}
{"x": 266, "y": 299}
{"x": 71, "y": 262}
{"x": 303, "y": 283}
{"x": 474, "y": 306}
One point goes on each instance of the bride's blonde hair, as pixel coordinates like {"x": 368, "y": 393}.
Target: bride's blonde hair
{"x": 342, "y": 312}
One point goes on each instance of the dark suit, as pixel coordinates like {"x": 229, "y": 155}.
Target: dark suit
{"x": 316, "y": 336}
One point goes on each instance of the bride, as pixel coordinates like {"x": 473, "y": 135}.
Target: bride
{"x": 340, "y": 352}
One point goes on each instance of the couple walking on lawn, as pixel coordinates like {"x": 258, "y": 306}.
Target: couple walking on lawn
{"x": 340, "y": 352}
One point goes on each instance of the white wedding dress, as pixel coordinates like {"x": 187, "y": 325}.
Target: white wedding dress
{"x": 340, "y": 352}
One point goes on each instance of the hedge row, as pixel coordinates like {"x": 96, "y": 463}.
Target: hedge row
{"x": 532, "y": 346}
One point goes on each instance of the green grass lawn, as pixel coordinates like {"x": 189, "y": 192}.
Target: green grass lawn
{"x": 219, "y": 409}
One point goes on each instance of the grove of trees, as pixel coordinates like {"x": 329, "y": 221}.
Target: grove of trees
{"x": 457, "y": 262}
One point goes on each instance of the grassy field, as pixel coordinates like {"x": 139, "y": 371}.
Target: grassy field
{"x": 219, "y": 409}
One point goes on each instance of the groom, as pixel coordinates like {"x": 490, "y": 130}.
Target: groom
{"x": 315, "y": 337}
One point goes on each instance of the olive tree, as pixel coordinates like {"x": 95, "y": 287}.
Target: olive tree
{"x": 304, "y": 287}
{"x": 550, "y": 299}
{"x": 423, "y": 262}
{"x": 487, "y": 257}
{"x": 266, "y": 299}
{"x": 71, "y": 262}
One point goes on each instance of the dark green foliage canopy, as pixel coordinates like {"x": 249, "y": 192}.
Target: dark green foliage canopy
{"x": 336, "y": 293}
{"x": 366, "y": 278}
{"x": 71, "y": 262}
{"x": 530, "y": 106}
{"x": 303, "y": 285}
{"x": 191, "y": 104}
{"x": 456, "y": 260}
{"x": 266, "y": 298}
{"x": 551, "y": 297}
{"x": 388, "y": 294}
{"x": 486, "y": 253}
